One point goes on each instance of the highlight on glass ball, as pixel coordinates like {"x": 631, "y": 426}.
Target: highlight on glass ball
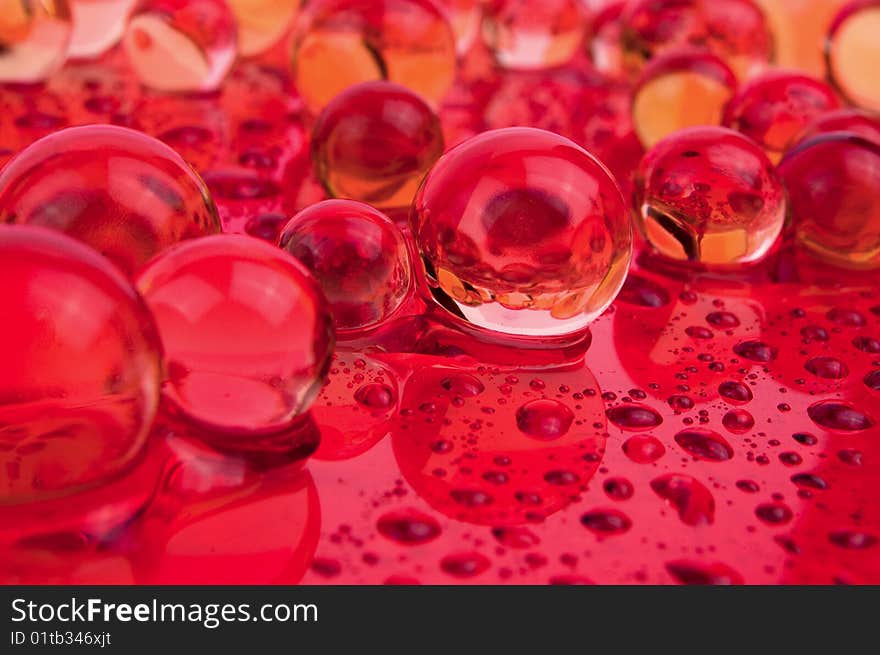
{"x": 338, "y": 43}
{"x": 98, "y": 25}
{"x": 522, "y": 232}
{"x": 81, "y": 367}
{"x": 124, "y": 193}
{"x": 246, "y": 330}
{"x": 34, "y": 37}
{"x": 709, "y": 195}
{"x": 357, "y": 255}
{"x": 374, "y": 142}
{"x": 852, "y": 53}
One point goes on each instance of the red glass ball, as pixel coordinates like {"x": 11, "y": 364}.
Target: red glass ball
{"x": 709, "y": 195}
{"x": 863, "y": 123}
{"x": 358, "y": 256}
{"x": 374, "y": 142}
{"x": 832, "y": 181}
{"x": 523, "y": 232}
{"x": 122, "y": 192}
{"x": 81, "y": 367}
{"x": 773, "y": 108}
{"x": 246, "y": 330}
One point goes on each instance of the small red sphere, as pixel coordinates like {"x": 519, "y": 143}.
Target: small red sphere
{"x": 865, "y": 124}
{"x": 523, "y": 232}
{"x": 374, "y": 142}
{"x": 709, "y": 195}
{"x": 247, "y": 332}
{"x": 832, "y": 181}
{"x": 358, "y": 256}
{"x": 773, "y": 108}
{"x": 122, "y": 192}
{"x": 81, "y": 367}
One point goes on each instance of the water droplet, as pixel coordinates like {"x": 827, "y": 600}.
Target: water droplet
{"x": 827, "y": 368}
{"x": 634, "y": 417}
{"x": 852, "y": 539}
{"x": 544, "y": 419}
{"x": 606, "y": 522}
{"x": 693, "y": 573}
{"x": 644, "y": 449}
{"x": 463, "y": 385}
{"x": 375, "y": 396}
{"x": 839, "y": 416}
{"x": 618, "y": 488}
{"x": 735, "y": 392}
{"x": 738, "y": 421}
{"x": 704, "y": 444}
{"x": 773, "y": 513}
{"x": 464, "y": 565}
{"x": 409, "y": 527}
{"x": 756, "y": 351}
{"x": 690, "y": 497}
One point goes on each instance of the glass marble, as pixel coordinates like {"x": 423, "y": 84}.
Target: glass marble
{"x": 533, "y": 35}
{"x": 464, "y": 17}
{"x": 735, "y": 30}
{"x": 34, "y": 35}
{"x": 374, "y": 142}
{"x": 338, "y": 43}
{"x": 81, "y": 367}
{"x": 832, "y": 181}
{"x": 358, "y": 256}
{"x": 863, "y": 123}
{"x": 683, "y": 88}
{"x": 124, "y": 193}
{"x": 262, "y": 23}
{"x": 852, "y": 52}
{"x": 247, "y": 333}
{"x": 181, "y": 45}
{"x": 98, "y": 25}
{"x": 709, "y": 195}
{"x": 522, "y": 232}
{"x": 773, "y": 108}
{"x": 605, "y": 43}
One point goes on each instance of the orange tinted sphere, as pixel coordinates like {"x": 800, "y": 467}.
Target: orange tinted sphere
{"x": 33, "y": 39}
{"x": 81, "y": 367}
{"x": 852, "y": 53}
{"x": 246, "y": 330}
{"x": 124, "y": 193}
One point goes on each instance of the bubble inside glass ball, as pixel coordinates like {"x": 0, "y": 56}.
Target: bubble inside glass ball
{"x": 522, "y": 232}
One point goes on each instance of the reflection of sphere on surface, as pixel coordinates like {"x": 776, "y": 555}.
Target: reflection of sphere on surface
{"x": 523, "y": 232}
{"x": 81, "y": 364}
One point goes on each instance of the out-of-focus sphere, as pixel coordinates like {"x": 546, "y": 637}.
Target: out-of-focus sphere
{"x": 533, "y": 35}
{"x": 246, "y": 330}
{"x": 81, "y": 367}
{"x": 97, "y": 26}
{"x": 181, "y": 45}
{"x": 464, "y": 17}
{"x": 773, "y": 108}
{"x": 832, "y": 181}
{"x": 262, "y": 23}
{"x": 358, "y": 256}
{"x": 374, "y": 142}
{"x": 737, "y": 31}
{"x": 852, "y": 53}
{"x": 338, "y": 43}
{"x": 709, "y": 195}
{"x": 34, "y": 35}
{"x": 523, "y": 232}
{"x": 683, "y": 88}
{"x": 124, "y": 193}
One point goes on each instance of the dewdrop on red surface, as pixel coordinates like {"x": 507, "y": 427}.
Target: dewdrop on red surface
{"x": 124, "y": 193}
{"x": 246, "y": 331}
{"x": 338, "y": 43}
{"x": 181, "y": 45}
{"x": 33, "y": 39}
{"x": 709, "y": 195}
{"x": 81, "y": 367}
{"x": 374, "y": 142}
{"x": 357, "y": 255}
{"x": 523, "y": 232}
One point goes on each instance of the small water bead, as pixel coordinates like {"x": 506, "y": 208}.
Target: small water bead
{"x": 82, "y": 367}
{"x": 866, "y": 344}
{"x": 839, "y": 416}
{"x": 699, "y": 332}
{"x": 247, "y": 333}
{"x": 34, "y": 37}
{"x": 722, "y": 320}
{"x": 679, "y": 90}
{"x": 704, "y": 444}
{"x": 735, "y": 30}
{"x": 262, "y": 23}
{"x": 790, "y": 458}
{"x": 643, "y": 292}
{"x": 805, "y": 438}
{"x": 181, "y": 45}
{"x": 857, "y": 121}
{"x": 465, "y": 565}
{"x": 738, "y": 421}
{"x": 516, "y": 537}
{"x": 374, "y": 142}
{"x": 358, "y": 256}
{"x": 756, "y": 351}
{"x": 122, "y": 192}
{"x": 545, "y": 419}
{"x": 694, "y": 573}
{"x": 872, "y": 380}
{"x": 375, "y": 396}
{"x": 850, "y": 456}
{"x": 690, "y": 497}
{"x": 536, "y": 36}
{"x": 852, "y": 539}
{"x": 338, "y": 43}
{"x": 809, "y": 480}
{"x": 774, "y": 513}
{"x": 409, "y": 527}
{"x": 748, "y": 486}
{"x": 852, "y": 53}
{"x": 846, "y": 317}
{"x": 618, "y": 488}
{"x": 827, "y": 368}
{"x": 832, "y": 181}
{"x": 522, "y": 232}
{"x": 814, "y": 333}
{"x": 98, "y": 25}
{"x": 606, "y": 522}
{"x": 644, "y": 449}
{"x": 774, "y": 108}
{"x": 634, "y": 417}
{"x": 709, "y": 195}
{"x": 735, "y": 392}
